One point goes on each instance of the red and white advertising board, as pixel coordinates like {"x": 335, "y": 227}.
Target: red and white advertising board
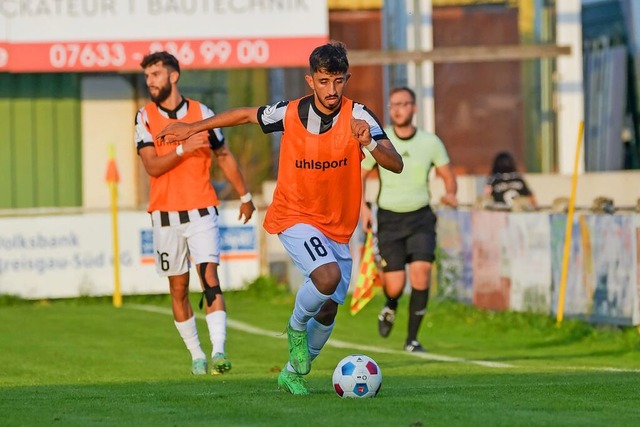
{"x": 114, "y": 35}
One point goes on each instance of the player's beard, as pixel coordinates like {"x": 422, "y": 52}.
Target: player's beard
{"x": 162, "y": 95}
{"x": 403, "y": 123}
{"x": 336, "y": 103}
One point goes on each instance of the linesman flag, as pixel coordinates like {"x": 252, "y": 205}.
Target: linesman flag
{"x": 368, "y": 277}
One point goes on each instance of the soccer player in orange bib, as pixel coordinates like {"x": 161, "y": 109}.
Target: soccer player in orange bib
{"x": 182, "y": 204}
{"x": 316, "y": 202}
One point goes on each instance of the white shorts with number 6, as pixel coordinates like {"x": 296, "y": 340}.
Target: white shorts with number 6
{"x": 309, "y": 249}
{"x": 176, "y": 245}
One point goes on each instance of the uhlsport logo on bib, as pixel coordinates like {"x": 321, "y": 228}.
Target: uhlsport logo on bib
{"x": 321, "y": 164}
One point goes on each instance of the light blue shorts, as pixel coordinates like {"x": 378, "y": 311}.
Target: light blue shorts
{"x": 309, "y": 249}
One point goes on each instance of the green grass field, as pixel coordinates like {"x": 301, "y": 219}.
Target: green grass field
{"x": 85, "y": 363}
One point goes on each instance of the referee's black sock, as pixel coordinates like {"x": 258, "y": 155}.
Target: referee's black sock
{"x": 392, "y": 303}
{"x": 417, "y": 310}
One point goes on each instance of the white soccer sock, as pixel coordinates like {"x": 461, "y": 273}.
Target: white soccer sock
{"x": 217, "y": 323}
{"x": 189, "y": 334}
{"x": 317, "y": 336}
{"x": 308, "y": 302}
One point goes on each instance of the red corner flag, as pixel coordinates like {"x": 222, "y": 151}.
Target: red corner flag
{"x": 112, "y": 175}
{"x": 368, "y": 277}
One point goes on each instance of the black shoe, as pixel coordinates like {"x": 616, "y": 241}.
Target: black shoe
{"x": 414, "y": 347}
{"x": 385, "y": 321}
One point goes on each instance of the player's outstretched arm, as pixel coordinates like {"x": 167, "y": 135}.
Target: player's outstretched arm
{"x": 157, "y": 165}
{"x": 237, "y": 116}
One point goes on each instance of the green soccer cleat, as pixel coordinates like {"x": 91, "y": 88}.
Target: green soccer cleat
{"x": 298, "y": 351}
{"x": 220, "y": 364}
{"x": 292, "y": 383}
{"x": 199, "y": 366}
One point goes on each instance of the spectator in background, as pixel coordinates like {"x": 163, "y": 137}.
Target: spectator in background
{"x": 505, "y": 183}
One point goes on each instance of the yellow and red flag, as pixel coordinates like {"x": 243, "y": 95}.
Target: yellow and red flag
{"x": 113, "y": 177}
{"x": 368, "y": 277}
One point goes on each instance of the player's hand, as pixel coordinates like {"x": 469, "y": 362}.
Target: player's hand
{"x": 366, "y": 218}
{"x": 246, "y": 211}
{"x": 176, "y": 132}
{"x": 196, "y": 142}
{"x": 361, "y": 131}
{"x": 449, "y": 199}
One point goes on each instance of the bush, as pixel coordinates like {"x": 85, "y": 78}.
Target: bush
{"x": 267, "y": 286}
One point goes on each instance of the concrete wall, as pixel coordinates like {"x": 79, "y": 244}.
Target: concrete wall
{"x": 516, "y": 261}
{"x": 623, "y": 187}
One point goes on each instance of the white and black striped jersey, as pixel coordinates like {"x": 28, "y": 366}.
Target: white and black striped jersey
{"x": 143, "y": 137}
{"x": 271, "y": 118}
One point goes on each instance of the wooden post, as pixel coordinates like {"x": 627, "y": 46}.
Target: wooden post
{"x": 458, "y": 54}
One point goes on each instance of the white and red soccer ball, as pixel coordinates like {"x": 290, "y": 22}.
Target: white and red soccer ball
{"x": 357, "y": 375}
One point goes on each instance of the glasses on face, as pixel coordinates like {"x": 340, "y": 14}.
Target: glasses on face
{"x": 403, "y": 104}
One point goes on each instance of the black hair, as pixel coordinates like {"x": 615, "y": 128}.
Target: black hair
{"x": 503, "y": 163}
{"x": 404, "y": 89}
{"x": 165, "y": 58}
{"x": 330, "y": 58}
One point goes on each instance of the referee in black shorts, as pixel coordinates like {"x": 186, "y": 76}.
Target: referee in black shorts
{"x": 406, "y": 224}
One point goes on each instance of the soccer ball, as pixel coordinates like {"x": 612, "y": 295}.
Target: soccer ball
{"x": 357, "y": 375}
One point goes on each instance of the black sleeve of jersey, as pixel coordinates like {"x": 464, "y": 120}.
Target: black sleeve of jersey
{"x": 277, "y": 126}
{"x": 382, "y": 135}
{"x": 140, "y": 143}
{"x": 214, "y": 142}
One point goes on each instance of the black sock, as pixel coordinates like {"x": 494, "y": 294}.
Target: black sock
{"x": 417, "y": 310}
{"x": 392, "y": 303}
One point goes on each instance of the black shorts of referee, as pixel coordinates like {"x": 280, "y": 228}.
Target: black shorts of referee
{"x": 404, "y": 237}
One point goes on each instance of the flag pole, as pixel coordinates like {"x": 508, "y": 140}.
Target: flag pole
{"x": 569, "y": 229}
{"x": 112, "y": 177}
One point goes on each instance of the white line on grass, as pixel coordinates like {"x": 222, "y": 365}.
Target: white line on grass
{"x": 594, "y": 368}
{"x": 241, "y": 326}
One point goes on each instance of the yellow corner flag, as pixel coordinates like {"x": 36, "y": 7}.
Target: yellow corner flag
{"x": 368, "y": 277}
{"x": 112, "y": 177}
